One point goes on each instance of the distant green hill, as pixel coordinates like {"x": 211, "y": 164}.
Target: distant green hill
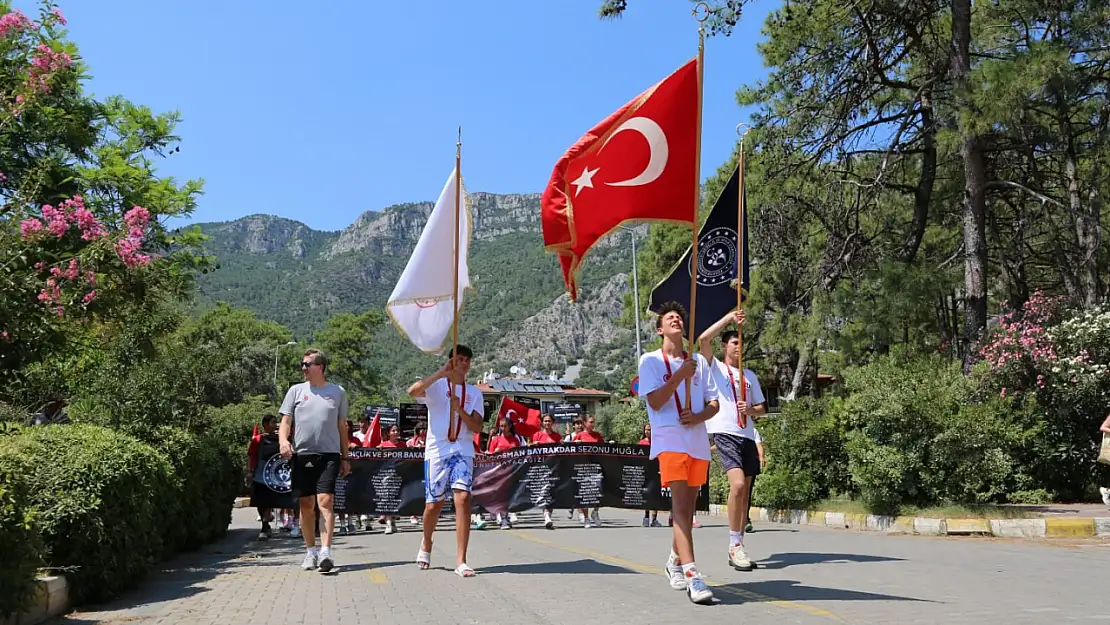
{"x": 517, "y": 312}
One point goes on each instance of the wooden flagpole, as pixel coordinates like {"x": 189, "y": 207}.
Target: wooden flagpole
{"x": 455, "y": 425}
{"x": 740, "y": 262}
{"x": 701, "y": 14}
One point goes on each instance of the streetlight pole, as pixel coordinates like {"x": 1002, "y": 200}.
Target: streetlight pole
{"x": 635, "y": 293}
{"x": 277, "y": 350}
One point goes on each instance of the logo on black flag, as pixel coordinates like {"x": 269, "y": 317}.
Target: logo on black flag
{"x": 720, "y": 251}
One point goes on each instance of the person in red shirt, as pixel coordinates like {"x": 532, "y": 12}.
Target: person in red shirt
{"x": 505, "y": 439}
{"x": 651, "y": 517}
{"x": 547, "y": 436}
{"x": 590, "y": 435}
{"x": 392, "y": 441}
{"x": 418, "y": 437}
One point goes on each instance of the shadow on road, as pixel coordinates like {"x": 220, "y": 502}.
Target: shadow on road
{"x": 179, "y": 578}
{"x": 789, "y": 590}
{"x": 556, "y": 568}
{"x": 783, "y": 560}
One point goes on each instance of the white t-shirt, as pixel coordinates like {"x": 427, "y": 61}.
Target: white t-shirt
{"x": 667, "y": 433}
{"x": 725, "y": 421}
{"x": 437, "y": 398}
{"x": 758, "y": 438}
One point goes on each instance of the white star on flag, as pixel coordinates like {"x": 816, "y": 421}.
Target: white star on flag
{"x": 422, "y": 305}
{"x": 585, "y": 180}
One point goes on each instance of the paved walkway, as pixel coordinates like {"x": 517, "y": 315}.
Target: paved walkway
{"x": 613, "y": 575}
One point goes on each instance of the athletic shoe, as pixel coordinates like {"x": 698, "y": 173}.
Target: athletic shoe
{"x": 342, "y": 529}
{"x": 656, "y": 523}
{"x": 296, "y": 532}
{"x": 698, "y": 591}
{"x": 596, "y": 518}
{"x": 309, "y": 562}
{"x": 415, "y": 520}
{"x": 389, "y": 529}
{"x": 696, "y": 524}
{"x": 505, "y": 524}
{"x": 675, "y": 577}
{"x": 326, "y": 563}
{"x": 647, "y": 522}
{"x": 748, "y": 529}
{"x": 480, "y": 525}
{"x": 738, "y": 558}
{"x": 1105, "y": 492}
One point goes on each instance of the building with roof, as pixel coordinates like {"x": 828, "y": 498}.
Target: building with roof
{"x": 558, "y": 397}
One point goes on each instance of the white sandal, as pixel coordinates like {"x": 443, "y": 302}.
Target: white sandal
{"x": 464, "y": 570}
{"x": 424, "y": 560}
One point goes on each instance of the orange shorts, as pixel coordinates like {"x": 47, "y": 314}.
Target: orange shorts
{"x": 676, "y": 466}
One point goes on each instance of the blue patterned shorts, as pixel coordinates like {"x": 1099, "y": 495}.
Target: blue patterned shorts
{"x": 445, "y": 474}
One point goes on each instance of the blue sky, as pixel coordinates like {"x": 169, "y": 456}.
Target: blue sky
{"x": 321, "y": 111}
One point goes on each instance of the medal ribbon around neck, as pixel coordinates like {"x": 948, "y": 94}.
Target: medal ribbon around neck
{"x": 667, "y": 363}
{"x": 454, "y": 425}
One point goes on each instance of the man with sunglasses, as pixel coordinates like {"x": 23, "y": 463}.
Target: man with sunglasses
{"x": 316, "y": 411}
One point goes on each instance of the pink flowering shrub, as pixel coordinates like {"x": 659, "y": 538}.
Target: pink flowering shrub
{"x": 1058, "y": 359}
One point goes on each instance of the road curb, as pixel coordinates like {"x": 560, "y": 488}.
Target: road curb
{"x": 51, "y": 599}
{"x": 241, "y": 502}
{"x": 1003, "y": 528}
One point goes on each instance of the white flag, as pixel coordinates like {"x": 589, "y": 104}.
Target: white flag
{"x": 421, "y": 305}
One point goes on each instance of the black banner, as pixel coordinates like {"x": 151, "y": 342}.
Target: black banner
{"x": 412, "y": 415}
{"x": 561, "y": 475}
{"x": 388, "y": 416}
{"x": 566, "y": 412}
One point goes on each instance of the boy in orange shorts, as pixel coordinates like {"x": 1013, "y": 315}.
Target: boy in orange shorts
{"x": 679, "y": 438}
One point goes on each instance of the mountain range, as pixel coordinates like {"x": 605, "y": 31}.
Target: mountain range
{"x": 517, "y": 313}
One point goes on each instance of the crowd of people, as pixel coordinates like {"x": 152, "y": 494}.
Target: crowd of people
{"x": 697, "y": 405}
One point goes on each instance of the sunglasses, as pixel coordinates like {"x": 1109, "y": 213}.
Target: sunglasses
{"x": 306, "y": 364}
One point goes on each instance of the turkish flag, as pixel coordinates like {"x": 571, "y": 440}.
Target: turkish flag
{"x": 374, "y": 435}
{"x": 525, "y": 420}
{"x": 637, "y": 165}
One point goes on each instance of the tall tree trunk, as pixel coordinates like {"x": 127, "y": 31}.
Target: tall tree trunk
{"x": 975, "y": 182}
{"x": 1087, "y": 234}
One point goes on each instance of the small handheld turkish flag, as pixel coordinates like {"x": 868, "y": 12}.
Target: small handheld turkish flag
{"x": 525, "y": 420}
{"x": 611, "y": 176}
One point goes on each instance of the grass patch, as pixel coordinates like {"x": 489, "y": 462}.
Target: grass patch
{"x": 848, "y": 506}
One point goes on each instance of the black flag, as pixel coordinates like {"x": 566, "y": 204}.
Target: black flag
{"x": 718, "y": 256}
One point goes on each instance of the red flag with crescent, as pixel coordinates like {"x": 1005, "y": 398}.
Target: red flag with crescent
{"x": 637, "y": 165}
{"x": 374, "y": 435}
{"x": 525, "y": 420}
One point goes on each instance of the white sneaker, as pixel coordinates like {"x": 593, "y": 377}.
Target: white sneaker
{"x": 596, "y": 518}
{"x": 675, "y": 577}
{"x": 309, "y": 562}
{"x": 1105, "y": 492}
{"x": 698, "y": 591}
{"x": 296, "y": 532}
{"x": 326, "y": 561}
{"x": 738, "y": 558}
{"x": 415, "y": 520}
{"x": 389, "y": 527}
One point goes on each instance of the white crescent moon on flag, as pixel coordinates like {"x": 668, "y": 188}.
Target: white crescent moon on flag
{"x": 509, "y": 414}
{"x": 657, "y": 144}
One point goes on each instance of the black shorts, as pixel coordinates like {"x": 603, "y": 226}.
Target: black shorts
{"x": 737, "y": 452}
{"x": 314, "y": 474}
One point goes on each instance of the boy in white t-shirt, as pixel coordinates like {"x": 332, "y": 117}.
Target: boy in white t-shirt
{"x": 679, "y": 438}
{"x": 733, "y": 429}
{"x": 449, "y": 450}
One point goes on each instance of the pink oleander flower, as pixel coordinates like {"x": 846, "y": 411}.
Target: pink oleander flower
{"x": 29, "y": 228}
{"x": 3, "y": 178}
{"x": 89, "y": 297}
{"x": 4, "y": 335}
{"x": 72, "y": 271}
{"x": 56, "y": 220}
{"x": 137, "y": 219}
{"x": 61, "y": 18}
{"x": 45, "y": 62}
{"x": 90, "y": 277}
{"x": 60, "y": 311}
{"x": 14, "y": 22}
{"x": 1003, "y": 393}
{"x": 39, "y": 266}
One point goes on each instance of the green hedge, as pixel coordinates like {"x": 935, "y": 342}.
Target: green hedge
{"x": 19, "y": 542}
{"x": 108, "y": 506}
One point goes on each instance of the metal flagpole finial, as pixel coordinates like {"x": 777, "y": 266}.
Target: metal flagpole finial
{"x": 742, "y": 133}
{"x": 701, "y": 12}
{"x": 459, "y": 142}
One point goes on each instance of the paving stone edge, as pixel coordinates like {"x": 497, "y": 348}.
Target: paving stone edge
{"x": 1004, "y": 528}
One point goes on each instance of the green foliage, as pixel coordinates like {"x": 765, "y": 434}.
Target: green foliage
{"x": 622, "y": 421}
{"x": 20, "y": 543}
{"x": 102, "y": 501}
{"x": 205, "y": 481}
{"x": 348, "y": 341}
{"x": 806, "y": 460}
